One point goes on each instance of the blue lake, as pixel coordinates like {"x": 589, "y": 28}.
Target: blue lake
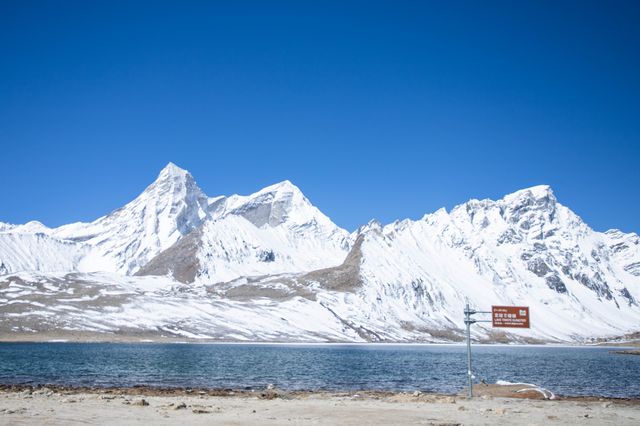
{"x": 437, "y": 368}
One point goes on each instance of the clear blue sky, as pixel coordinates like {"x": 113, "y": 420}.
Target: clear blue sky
{"x": 380, "y": 110}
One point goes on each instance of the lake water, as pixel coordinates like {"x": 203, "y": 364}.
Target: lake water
{"x": 438, "y": 368}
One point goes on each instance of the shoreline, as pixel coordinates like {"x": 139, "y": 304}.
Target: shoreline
{"x": 26, "y": 404}
{"x": 512, "y": 391}
{"x": 90, "y": 338}
{"x": 626, "y": 352}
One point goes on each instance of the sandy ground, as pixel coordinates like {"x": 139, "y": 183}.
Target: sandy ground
{"x": 58, "y": 406}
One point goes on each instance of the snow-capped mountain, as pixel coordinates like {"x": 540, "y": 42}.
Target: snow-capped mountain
{"x": 271, "y": 266}
{"x": 625, "y": 250}
{"x": 275, "y": 230}
{"x": 526, "y": 249}
{"x": 126, "y": 239}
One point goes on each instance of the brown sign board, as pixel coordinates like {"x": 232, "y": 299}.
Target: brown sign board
{"x": 510, "y": 316}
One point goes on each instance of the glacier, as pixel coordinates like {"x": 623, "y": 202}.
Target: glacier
{"x": 270, "y": 266}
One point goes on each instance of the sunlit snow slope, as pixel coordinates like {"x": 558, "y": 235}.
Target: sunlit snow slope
{"x": 526, "y": 249}
{"x": 270, "y": 266}
{"x": 273, "y": 231}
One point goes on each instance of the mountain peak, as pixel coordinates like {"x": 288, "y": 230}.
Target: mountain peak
{"x": 33, "y": 227}
{"x": 171, "y": 171}
{"x": 274, "y": 205}
{"x": 535, "y": 192}
{"x": 171, "y": 207}
{"x": 281, "y": 187}
{"x": 173, "y": 184}
{"x": 372, "y": 226}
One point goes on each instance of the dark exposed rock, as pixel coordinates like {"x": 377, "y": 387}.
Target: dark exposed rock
{"x": 539, "y": 246}
{"x": 251, "y": 291}
{"x": 633, "y": 269}
{"x": 538, "y": 267}
{"x": 345, "y": 277}
{"x": 526, "y": 256}
{"x": 509, "y": 237}
{"x": 525, "y": 224}
{"x": 600, "y": 287}
{"x": 619, "y": 247}
{"x": 417, "y": 287}
{"x": 630, "y": 299}
{"x": 555, "y": 283}
{"x": 267, "y": 256}
{"x": 518, "y": 211}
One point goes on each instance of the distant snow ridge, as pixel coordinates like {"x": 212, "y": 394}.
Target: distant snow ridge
{"x": 271, "y": 266}
{"x": 36, "y": 252}
{"x": 524, "y": 249}
{"x": 275, "y": 230}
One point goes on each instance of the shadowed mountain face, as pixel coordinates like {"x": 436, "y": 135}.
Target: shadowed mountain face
{"x": 344, "y": 277}
{"x": 271, "y": 206}
{"x": 179, "y": 261}
{"x": 271, "y": 266}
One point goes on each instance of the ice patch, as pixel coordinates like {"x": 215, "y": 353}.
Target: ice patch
{"x": 530, "y": 387}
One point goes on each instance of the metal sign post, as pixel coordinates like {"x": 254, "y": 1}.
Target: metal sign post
{"x": 501, "y": 316}
{"x": 468, "y": 321}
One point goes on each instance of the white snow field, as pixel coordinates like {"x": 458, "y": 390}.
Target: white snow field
{"x": 272, "y": 267}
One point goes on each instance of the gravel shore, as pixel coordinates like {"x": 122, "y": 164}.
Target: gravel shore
{"x": 23, "y": 405}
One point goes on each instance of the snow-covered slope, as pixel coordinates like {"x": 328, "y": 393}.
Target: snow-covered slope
{"x": 38, "y": 252}
{"x": 126, "y": 239}
{"x": 276, "y": 230}
{"x": 526, "y": 249}
{"x": 104, "y": 305}
{"x": 33, "y": 227}
{"x": 6, "y": 226}
{"x": 271, "y": 266}
{"x": 625, "y": 251}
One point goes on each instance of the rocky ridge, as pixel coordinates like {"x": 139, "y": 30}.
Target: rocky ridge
{"x": 271, "y": 266}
